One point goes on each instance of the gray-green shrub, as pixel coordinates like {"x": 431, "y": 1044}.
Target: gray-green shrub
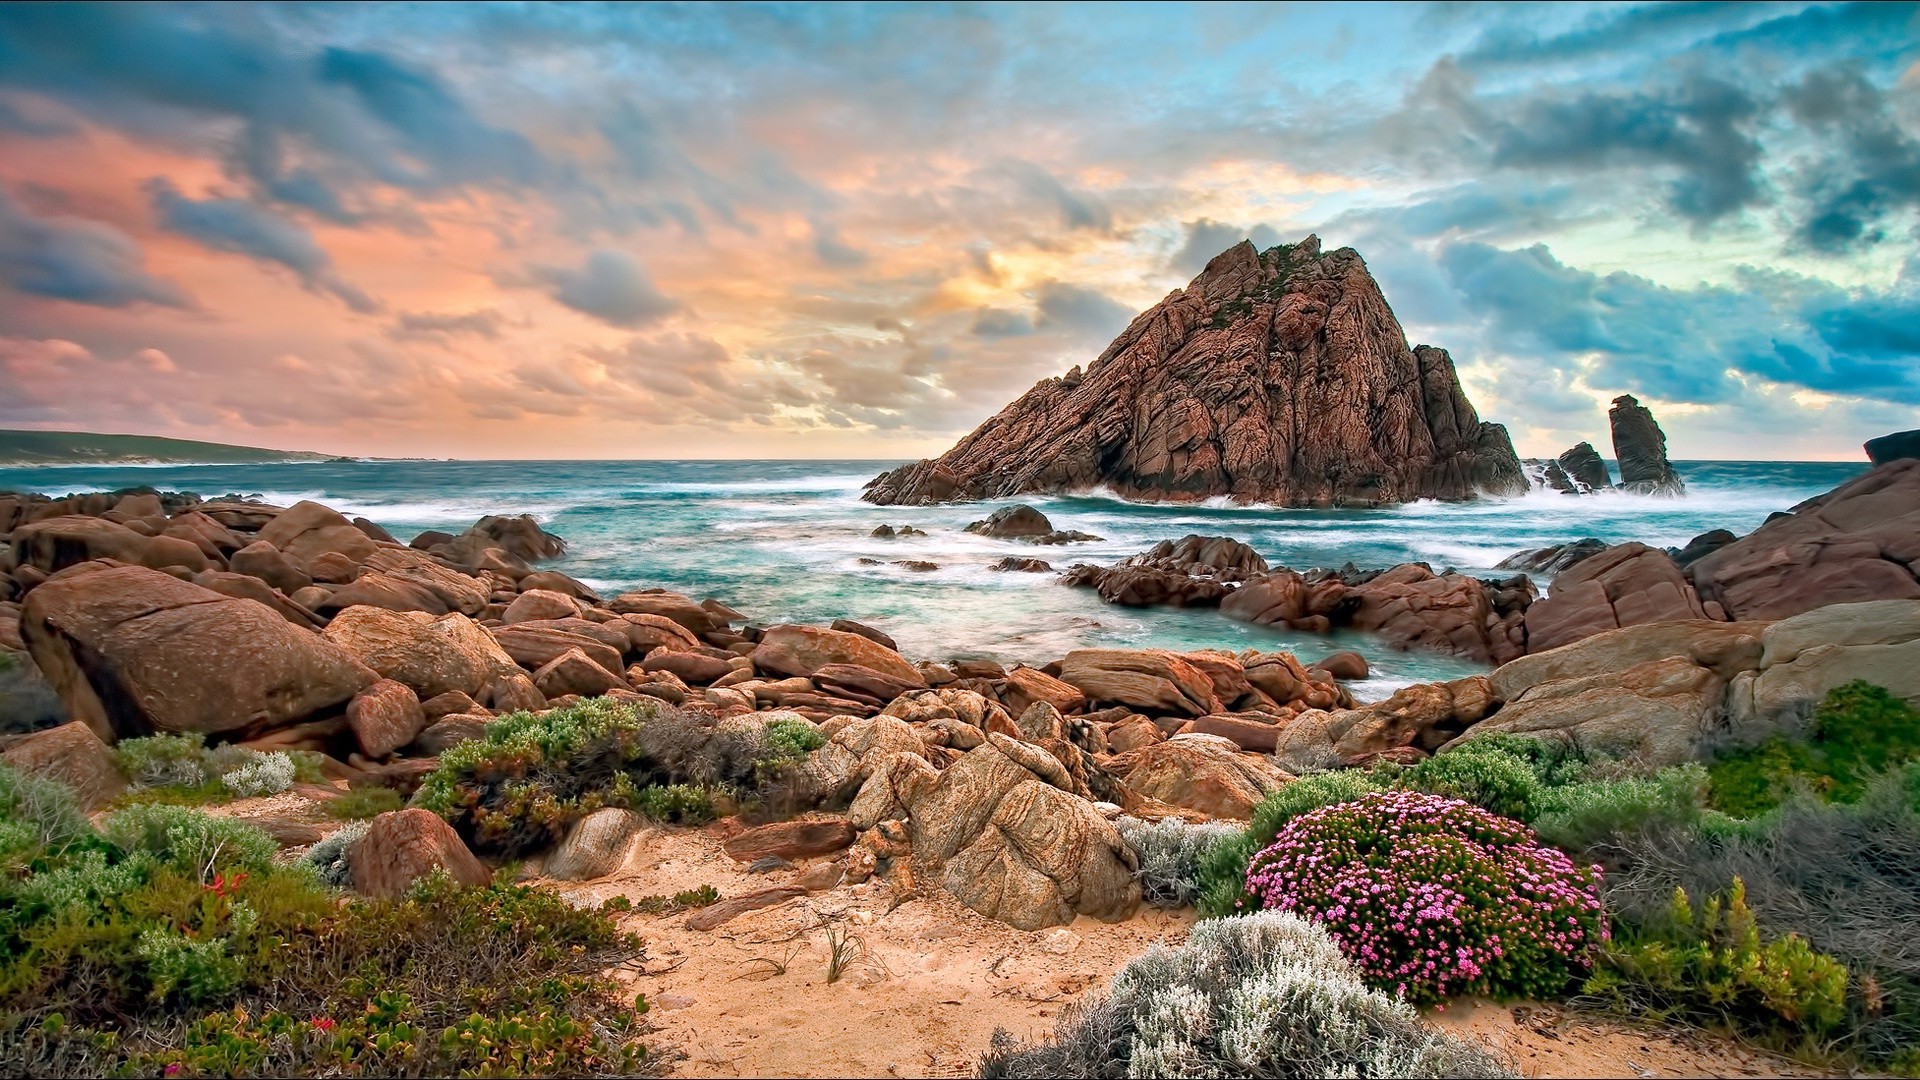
{"x": 1170, "y": 853}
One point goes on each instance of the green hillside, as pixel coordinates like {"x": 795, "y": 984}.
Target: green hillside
{"x": 90, "y": 448}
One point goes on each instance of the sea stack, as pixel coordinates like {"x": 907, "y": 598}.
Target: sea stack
{"x": 1274, "y": 377}
{"x": 1641, "y": 448}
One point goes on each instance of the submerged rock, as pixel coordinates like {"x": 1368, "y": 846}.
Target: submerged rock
{"x": 1023, "y": 522}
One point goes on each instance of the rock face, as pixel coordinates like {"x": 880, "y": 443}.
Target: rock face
{"x": 1624, "y": 585}
{"x": 1804, "y": 657}
{"x": 1194, "y": 571}
{"x": 1278, "y": 377}
{"x": 403, "y": 846}
{"x": 133, "y": 651}
{"x": 1584, "y": 466}
{"x": 1410, "y": 606}
{"x": 1641, "y": 448}
{"x": 1860, "y": 541}
{"x": 432, "y": 656}
{"x": 1200, "y": 772}
{"x": 1900, "y": 444}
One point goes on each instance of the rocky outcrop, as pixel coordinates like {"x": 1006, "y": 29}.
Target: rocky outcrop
{"x": 1641, "y": 448}
{"x": 56, "y": 543}
{"x": 1860, "y": 541}
{"x": 1900, "y": 444}
{"x": 1149, "y": 679}
{"x": 803, "y": 650}
{"x": 1194, "y": 571}
{"x": 1279, "y": 377}
{"x": 133, "y": 651}
{"x": 1585, "y": 469}
{"x": 1624, "y": 585}
{"x": 1655, "y": 714}
{"x": 1409, "y": 606}
{"x": 1553, "y": 560}
{"x": 1200, "y": 772}
{"x": 1806, "y": 656}
{"x": 1023, "y": 522}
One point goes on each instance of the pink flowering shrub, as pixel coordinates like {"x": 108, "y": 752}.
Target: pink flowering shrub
{"x": 1432, "y": 897}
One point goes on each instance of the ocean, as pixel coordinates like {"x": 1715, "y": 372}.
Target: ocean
{"x": 782, "y": 541}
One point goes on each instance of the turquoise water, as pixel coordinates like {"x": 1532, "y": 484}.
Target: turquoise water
{"x": 781, "y": 540}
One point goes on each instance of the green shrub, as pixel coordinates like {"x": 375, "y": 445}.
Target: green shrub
{"x": 1432, "y": 897}
{"x": 1712, "y": 966}
{"x": 684, "y": 900}
{"x": 789, "y": 738}
{"x": 1482, "y": 773}
{"x": 520, "y": 786}
{"x": 1263, "y": 995}
{"x": 1593, "y": 818}
{"x": 181, "y": 770}
{"x": 37, "y": 817}
{"x": 1858, "y": 730}
{"x": 164, "y": 760}
{"x": 1223, "y": 867}
{"x": 361, "y": 804}
{"x": 196, "y": 844}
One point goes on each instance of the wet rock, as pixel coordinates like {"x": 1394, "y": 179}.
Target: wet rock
{"x": 1585, "y": 468}
{"x": 1552, "y": 560}
{"x": 1900, "y": 444}
{"x": 1022, "y": 566}
{"x": 1194, "y": 571}
{"x": 1023, "y": 522}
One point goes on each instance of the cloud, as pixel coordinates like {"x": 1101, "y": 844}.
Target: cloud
{"x": 611, "y": 286}
{"x": 85, "y": 262}
{"x": 1876, "y": 172}
{"x": 442, "y": 326}
{"x": 1081, "y": 312}
{"x": 239, "y": 226}
{"x": 1620, "y": 331}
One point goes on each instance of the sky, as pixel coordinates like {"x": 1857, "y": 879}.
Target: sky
{"x": 783, "y": 231}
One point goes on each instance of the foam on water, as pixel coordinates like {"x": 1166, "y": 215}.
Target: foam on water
{"x": 783, "y": 540}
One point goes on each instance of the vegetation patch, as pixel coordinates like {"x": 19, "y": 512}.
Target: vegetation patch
{"x": 182, "y": 770}
{"x": 1857, "y": 731}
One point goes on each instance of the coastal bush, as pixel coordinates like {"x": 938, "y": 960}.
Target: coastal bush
{"x": 173, "y": 942}
{"x": 329, "y": 857}
{"x": 1712, "y": 966}
{"x": 1223, "y": 867}
{"x": 1432, "y": 897}
{"x": 528, "y": 778}
{"x": 1481, "y": 772}
{"x": 182, "y": 770}
{"x": 1593, "y": 819}
{"x": 1170, "y": 853}
{"x": 1263, "y": 995}
{"x": 1857, "y": 730}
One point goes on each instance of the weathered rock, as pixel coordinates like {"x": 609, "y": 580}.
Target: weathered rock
{"x": 714, "y": 915}
{"x": 1345, "y": 665}
{"x": 864, "y": 681}
{"x": 432, "y": 656}
{"x": 1133, "y": 733}
{"x": 572, "y": 672}
{"x": 680, "y": 609}
{"x": 1023, "y": 566}
{"x": 798, "y": 839}
{"x": 266, "y": 562}
{"x": 521, "y": 536}
{"x": 385, "y": 717}
{"x": 1023, "y": 522}
{"x": 1273, "y": 377}
{"x": 1701, "y": 546}
{"x": 1552, "y": 560}
{"x": 74, "y": 755}
{"x": 534, "y": 646}
{"x": 448, "y": 732}
{"x": 555, "y": 581}
{"x": 1900, "y": 444}
{"x": 453, "y": 590}
{"x": 536, "y": 604}
{"x": 132, "y": 651}
{"x": 1657, "y": 713}
{"x": 403, "y": 846}
{"x": 803, "y": 650}
{"x": 1194, "y": 571}
{"x": 595, "y": 846}
{"x": 55, "y": 543}
{"x": 1641, "y": 448}
{"x": 848, "y": 626}
{"x": 1410, "y": 606}
{"x": 307, "y": 530}
{"x": 1150, "y": 679}
{"x": 1248, "y": 731}
{"x": 1726, "y": 648}
{"x": 1625, "y": 585}
{"x": 1860, "y": 541}
{"x": 1585, "y": 467}
{"x": 244, "y": 587}
{"x": 1806, "y": 656}
{"x": 448, "y": 704}
{"x": 1200, "y": 772}
{"x": 691, "y": 667}
{"x": 514, "y": 692}
{"x": 1027, "y": 685}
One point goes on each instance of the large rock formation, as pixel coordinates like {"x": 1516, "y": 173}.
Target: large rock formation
{"x": 1860, "y": 541}
{"x": 1642, "y": 449}
{"x": 1279, "y": 376}
{"x": 1624, "y": 585}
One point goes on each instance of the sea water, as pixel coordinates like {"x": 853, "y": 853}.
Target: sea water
{"x": 782, "y": 541}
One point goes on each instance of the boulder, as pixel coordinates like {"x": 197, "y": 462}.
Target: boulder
{"x": 864, "y": 681}
{"x": 1153, "y": 680}
{"x": 1554, "y": 559}
{"x": 385, "y": 717}
{"x": 1584, "y": 466}
{"x": 244, "y": 587}
{"x": 448, "y": 732}
{"x": 691, "y": 667}
{"x": 680, "y": 609}
{"x": 1023, "y": 522}
{"x": 1248, "y": 731}
{"x": 534, "y": 647}
{"x": 55, "y": 543}
{"x": 521, "y": 536}
{"x": 646, "y": 632}
{"x": 1194, "y": 571}
{"x": 1344, "y": 665}
{"x": 1279, "y": 377}
{"x": 803, "y": 650}
{"x": 515, "y": 692}
{"x": 1641, "y": 448}
{"x": 74, "y": 755}
{"x": 448, "y": 704}
{"x": 1625, "y": 585}
{"x": 1659, "y": 713}
{"x": 536, "y": 604}
{"x": 1726, "y": 648}
{"x": 595, "y": 846}
{"x": 572, "y": 672}
{"x": 132, "y": 651}
{"x": 1860, "y": 541}
{"x": 433, "y": 656}
{"x": 555, "y": 581}
{"x": 850, "y": 627}
{"x": 1804, "y": 657}
{"x": 1026, "y": 685}
{"x": 454, "y": 591}
{"x": 1023, "y": 566}
{"x": 1199, "y": 772}
{"x": 266, "y": 562}
{"x": 403, "y": 846}
{"x": 1900, "y": 444}
{"x": 797, "y": 839}
{"x": 1009, "y": 843}
{"x": 307, "y": 530}
{"x": 1701, "y": 546}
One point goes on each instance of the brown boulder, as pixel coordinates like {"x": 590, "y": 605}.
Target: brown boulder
{"x": 385, "y": 717}
{"x": 881, "y": 687}
{"x": 55, "y": 543}
{"x": 1199, "y": 772}
{"x": 1858, "y": 542}
{"x": 1153, "y": 680}
{"x": 539, "y": 604}
{"x": 1625, "y": 585}
{"x": 646, "y": 632}
{"x": 803, "y": 650}
{"x": 595, "y": 846}
{"x": 1194, "y": 571}
{"x": 850, "y": 627}
{"x": 266, "y": 562}
{"x": 244, "y": 587}
{"x": 680, "y": 609}
{"x": 691, "y": 667}
{"x": 1026, "y": 685}
{"x": 432, "y": 656}
{"x": 555, "y": 581}
{"x": 403, "y": 846}
{"x": 307, "y": 530}
{"x": 521, "y": 536}
{"x": 74, "y": 755}
{"x": 448, "y": 732}
{"x": 534, "y": 647}
{"x": 572, "y": 672}
{"x": 800, "y": 839}
{"x": 133, "y": 651}
{"x": 1659, "y": 713}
